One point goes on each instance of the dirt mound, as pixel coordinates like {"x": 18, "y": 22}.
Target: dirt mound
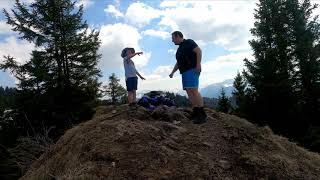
{"x": 164, "y": 144}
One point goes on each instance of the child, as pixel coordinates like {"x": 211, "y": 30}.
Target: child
{"x": 131, "y": 75}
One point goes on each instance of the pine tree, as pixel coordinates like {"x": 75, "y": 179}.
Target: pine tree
{"x": 305, "y": 37}
{"x": 7, "y": 98}
{"x": 61, "y": 78}
{"x": 223, "y": 102}
{"x": 284, "y": 77}
{"x": 114, "y": 90}
{"x": 269, "y": 74}
{"x": 239, "y": 92}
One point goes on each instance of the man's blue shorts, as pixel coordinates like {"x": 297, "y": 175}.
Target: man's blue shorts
{"x": 132, "y": 83}
{"x": 190, "y": 79}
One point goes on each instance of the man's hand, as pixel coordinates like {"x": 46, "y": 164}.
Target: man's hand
{"x": 174, "y": 70}
{"x": 198, "y": 68}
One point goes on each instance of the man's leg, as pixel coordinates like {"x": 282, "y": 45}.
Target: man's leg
{"x": 191, "y": 97}
{"x": 194, "y": 97}
{"x": 190, "y": 82}
{"x": 198, "y": 98}
{"x": 199, "y": 116}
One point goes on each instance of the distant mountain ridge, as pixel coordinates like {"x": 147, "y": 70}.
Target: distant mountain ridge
{"x": 210, "y": 91}
{"x": 214, "y": 90}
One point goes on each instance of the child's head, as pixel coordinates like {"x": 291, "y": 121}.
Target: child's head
{"x": 126, "y": 51}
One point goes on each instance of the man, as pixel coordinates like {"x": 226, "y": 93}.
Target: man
{"x": 188, "y": 58}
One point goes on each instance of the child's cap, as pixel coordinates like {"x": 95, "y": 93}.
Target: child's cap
{"x": 125, "y": 50}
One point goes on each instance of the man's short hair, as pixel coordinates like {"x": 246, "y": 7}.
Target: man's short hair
{"x": 124, "y": 52}
{"x": 177, "y": 33}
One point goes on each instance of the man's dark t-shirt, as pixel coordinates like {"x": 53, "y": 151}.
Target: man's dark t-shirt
{"x": 186, "y": 57}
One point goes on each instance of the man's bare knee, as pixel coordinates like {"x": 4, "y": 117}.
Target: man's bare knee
{"x": 188, "y": 91}
{"x": 193, "y": 91}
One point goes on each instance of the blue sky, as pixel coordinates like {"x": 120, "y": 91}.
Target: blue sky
{"x": 220, "y": 28}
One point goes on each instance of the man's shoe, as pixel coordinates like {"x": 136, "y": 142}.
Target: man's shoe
{"x": 201, "y": 117}
{"x": 194, "y": 113}
{"x": 200, "y": 120}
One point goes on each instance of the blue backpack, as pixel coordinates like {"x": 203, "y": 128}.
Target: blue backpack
{"x": 152, "y": 103}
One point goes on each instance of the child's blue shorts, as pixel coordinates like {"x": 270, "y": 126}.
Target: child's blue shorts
{"x": 132, "y": 83}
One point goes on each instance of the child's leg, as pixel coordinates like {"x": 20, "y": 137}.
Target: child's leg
{"x": 130, "y": 97}
{"x": 134, "y": 98}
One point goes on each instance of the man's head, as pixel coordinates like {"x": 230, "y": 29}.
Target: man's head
{"x": 177, "y": 37}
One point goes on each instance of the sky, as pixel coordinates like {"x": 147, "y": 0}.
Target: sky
{"x": 221, "y": 28}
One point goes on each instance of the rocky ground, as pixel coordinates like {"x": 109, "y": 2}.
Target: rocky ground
{"x": 165, "y": 144}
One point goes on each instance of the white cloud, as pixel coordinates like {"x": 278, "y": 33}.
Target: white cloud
{"x": 156, "y": 82}
{"x": 29, "y": 1}
{"x": 223, "y": 67}
{"x": 172, "y": 51}
{"x": 6, "y": 4}
{"x": 116, "y": 37}
{"x": 168, "y": 23}
{"x": 173, "y": 3}
{"x": 155, "y": 33}
{"x": 140, "y": 14}
{"x": 20, "y": 50}
{"x": 159, "y": 80}
{"x": 226, "y": 23}
{"x": 5, "y": 28}
{"x": 317, "y": 10}
{"x": 6, "y": 79}
{"x": 113, "y": 10}
{"x": 163, "y": 70}
{"x": 116, "y": 3}
{"x": 169, "y": 3}
{"x": 85, "y": 3}
{"x": 213, "y": 71}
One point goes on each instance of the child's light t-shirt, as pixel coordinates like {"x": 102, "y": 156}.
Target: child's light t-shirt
{"x": 129, "y": 68}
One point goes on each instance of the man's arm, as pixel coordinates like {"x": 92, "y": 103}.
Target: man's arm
{"x": 174, "y": 70}
{"x": 198, "y": 52}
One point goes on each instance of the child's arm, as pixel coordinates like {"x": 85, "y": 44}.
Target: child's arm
{"x": 132, "y": 55}
{"x": 141, "y": 77}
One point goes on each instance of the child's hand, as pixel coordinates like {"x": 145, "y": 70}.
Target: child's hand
{"x": 139, "y": 53}
{"x": 142, "y": 78}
